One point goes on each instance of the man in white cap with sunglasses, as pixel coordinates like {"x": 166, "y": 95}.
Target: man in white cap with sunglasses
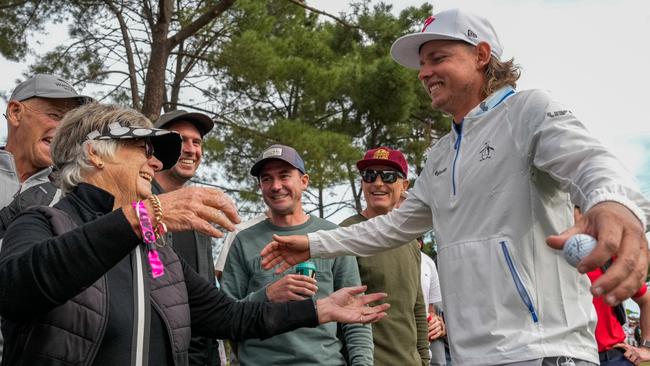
{"x": 496, "y": 190}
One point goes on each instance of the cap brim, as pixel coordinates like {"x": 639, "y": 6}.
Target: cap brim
{"x": 166, "y": 144}
{"x": 257, "y": 167}
{"x": 167, "y": 148}
{"x": 202, "y": 122}
{"x": 364, "y": 164}
{"x": 406, "y": 49}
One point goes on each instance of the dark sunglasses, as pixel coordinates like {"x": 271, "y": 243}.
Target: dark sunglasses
{"x": 148, "y": 147}
{"x": 387, "y": 176}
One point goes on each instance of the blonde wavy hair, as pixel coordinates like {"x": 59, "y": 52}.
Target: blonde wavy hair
{"x": 499, "y": 74}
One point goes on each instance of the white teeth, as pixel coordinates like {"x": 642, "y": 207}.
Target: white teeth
{"x": 434, "y": 87}
{"x": 379, "y": 193}
{"x": 146, "y": 176}
{"x": 187, "y": 161}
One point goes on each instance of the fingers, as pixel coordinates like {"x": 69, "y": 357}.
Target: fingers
{"x": 194, "y": 208}
{"x": 372, "y": 318}
{"x": 557, "y": 241}
{"x": 370, "y": 298}
{"x": 629, "y": 270}
{"x": 222, "y": 202}
{"x": 285, "y": 251}
{"x": 610, "y": 238}
{"x": 354, "y": 290}
{"x": 292, "y": 287}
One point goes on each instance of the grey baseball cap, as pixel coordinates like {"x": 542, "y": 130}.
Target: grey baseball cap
{"x": 201, "y": 121}
{"x": 47, "y": 86}
{"x": 280, "y": 152}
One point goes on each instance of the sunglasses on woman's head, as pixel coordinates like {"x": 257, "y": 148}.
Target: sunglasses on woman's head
{"x": 387, "y": 176}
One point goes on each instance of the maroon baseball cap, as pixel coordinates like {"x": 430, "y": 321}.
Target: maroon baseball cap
{"x": 384, "y": 156}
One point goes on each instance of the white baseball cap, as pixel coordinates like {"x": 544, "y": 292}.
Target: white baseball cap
{"x": 453, "y": 24}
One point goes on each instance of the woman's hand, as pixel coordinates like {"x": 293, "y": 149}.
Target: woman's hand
{"x": 191, "y": 208}
{"x": 197, "y": 208}
{"x": 347, "y": 305}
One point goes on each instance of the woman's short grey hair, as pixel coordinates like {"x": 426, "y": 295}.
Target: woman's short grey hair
{"x": 68, "y": 149}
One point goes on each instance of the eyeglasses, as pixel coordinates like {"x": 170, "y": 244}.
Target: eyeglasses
{"x": 148, "y": 147}
{"x": 387, "y": 176}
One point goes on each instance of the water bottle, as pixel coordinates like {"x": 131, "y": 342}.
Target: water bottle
{"x": 306, "y": 268}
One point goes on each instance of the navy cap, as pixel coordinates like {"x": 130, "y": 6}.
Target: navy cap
{"x": 201, "y": 121}
{"x": 279, "y": 152}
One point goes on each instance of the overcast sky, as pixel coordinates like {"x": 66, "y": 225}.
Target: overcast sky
{"x": 592, "y": 55}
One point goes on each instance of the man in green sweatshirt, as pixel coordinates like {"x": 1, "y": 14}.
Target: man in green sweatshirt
{"x": 401, "y": 338}
{"x": 282, "y": 180}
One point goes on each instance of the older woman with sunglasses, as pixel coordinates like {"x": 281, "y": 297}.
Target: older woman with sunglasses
{"x": 91, "y": 281}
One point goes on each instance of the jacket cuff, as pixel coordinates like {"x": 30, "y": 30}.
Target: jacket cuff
{"x": 303, "y": 312}
{"x": 598, "y": 197}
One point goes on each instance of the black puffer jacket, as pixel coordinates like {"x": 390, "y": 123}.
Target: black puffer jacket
{"x": 72, "y": 299}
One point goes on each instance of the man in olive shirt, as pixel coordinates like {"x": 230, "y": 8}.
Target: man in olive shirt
{"x": 282, "y": 180}
{"x": 401, "y": 338}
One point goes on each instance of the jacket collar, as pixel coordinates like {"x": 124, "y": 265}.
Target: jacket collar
{"x": 488, "y": 104}
{"x": 93, "y": 199}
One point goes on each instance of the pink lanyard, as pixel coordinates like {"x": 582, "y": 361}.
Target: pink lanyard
{"x": 149, "y": 238}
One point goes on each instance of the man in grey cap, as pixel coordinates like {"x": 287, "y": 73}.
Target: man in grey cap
{"x": 195, "y": 248}
{"x": 281, "y": 177}
{"x": 35, "y": 109}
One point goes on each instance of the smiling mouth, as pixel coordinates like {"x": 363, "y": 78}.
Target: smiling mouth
{"x": 186, "y": 161}
{"x": 276, "y": 197}
{"x": 378, "y": 194}
{"x": 146, "y": 176}
{"x": 433, "y": 87}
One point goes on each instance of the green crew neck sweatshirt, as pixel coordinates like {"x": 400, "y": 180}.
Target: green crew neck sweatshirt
{"x": 244, "y": 279}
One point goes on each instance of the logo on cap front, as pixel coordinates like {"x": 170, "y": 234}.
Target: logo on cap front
{"x": 380, "y": 154}
{"x": 276, "y": 151}
{"x": 427, "y": 22}
{"x": 471, "y": 34}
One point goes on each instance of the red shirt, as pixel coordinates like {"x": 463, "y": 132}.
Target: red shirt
{"x": 608, "y": 330}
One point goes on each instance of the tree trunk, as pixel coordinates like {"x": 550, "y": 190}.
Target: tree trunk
{"x": 154, "y": 89}
{"x": 321, "y": 208}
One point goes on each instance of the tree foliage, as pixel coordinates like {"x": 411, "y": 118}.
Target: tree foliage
{"x": 329, "y": 90}
{"x": 273, "y": 71}
{"x": 136, "y": 52}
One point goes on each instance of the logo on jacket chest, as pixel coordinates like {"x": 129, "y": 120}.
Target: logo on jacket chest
{"x": 486, "y": 152}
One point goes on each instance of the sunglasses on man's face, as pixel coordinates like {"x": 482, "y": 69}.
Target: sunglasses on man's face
{"x": 387, "y": 176}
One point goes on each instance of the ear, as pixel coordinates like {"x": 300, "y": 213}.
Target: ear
{"x": 405, "y": 184}
{"x": 483, "y": 54}
{"x": 93, "y": 157}
{"x": 304, "y": 180}
{"x": 15, "y": 112}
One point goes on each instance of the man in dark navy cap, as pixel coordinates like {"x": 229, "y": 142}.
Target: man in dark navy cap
{"x": 194, "y": 247}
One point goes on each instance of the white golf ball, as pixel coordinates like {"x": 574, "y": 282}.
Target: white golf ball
{"x": 578, "y": 247}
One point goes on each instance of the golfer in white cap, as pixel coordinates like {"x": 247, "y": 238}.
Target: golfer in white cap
{"x": 496, "y": 190}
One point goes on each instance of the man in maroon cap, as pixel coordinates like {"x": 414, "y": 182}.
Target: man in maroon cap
{"x": 401, "y": 338}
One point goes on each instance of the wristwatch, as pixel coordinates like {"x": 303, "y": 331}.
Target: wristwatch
{"x": 645, "y": 343}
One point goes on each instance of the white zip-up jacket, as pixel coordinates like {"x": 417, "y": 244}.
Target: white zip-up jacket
{"x": 492, "y": 194}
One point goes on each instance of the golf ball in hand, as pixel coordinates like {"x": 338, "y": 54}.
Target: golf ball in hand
{"x": 578, "y": 247}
